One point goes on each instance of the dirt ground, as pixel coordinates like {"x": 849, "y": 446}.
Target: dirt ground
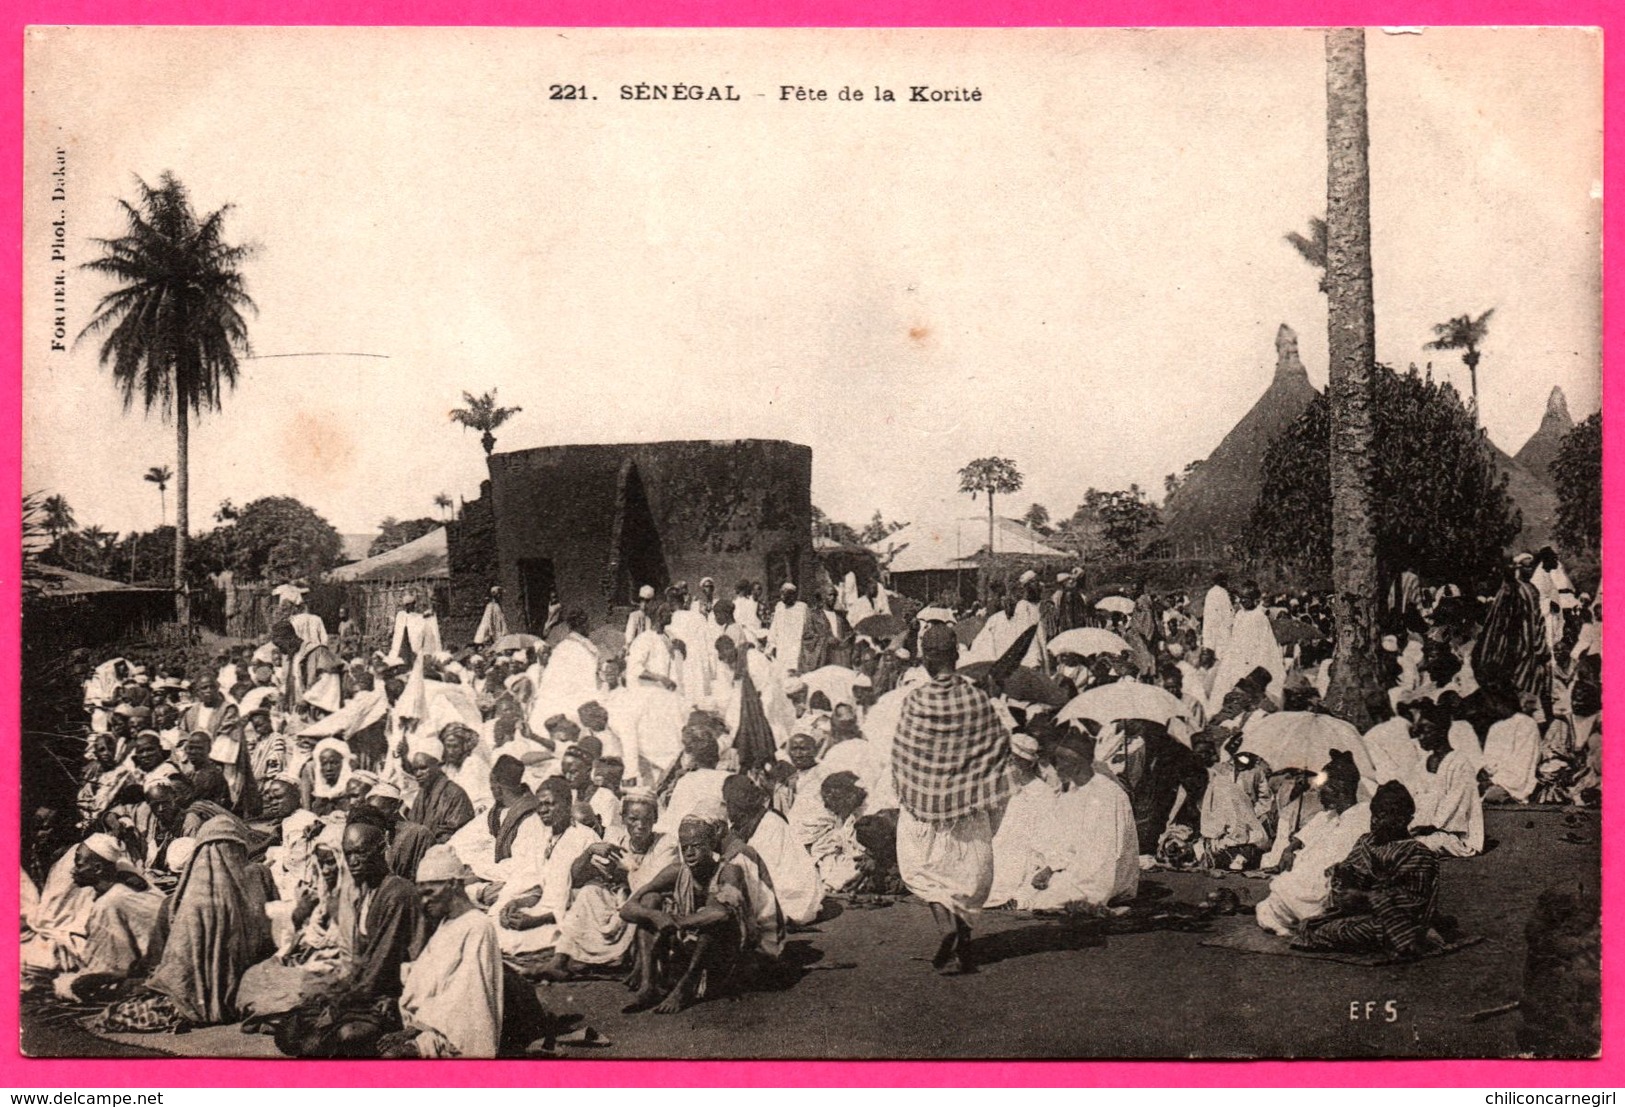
{"x": 864, "y": 990}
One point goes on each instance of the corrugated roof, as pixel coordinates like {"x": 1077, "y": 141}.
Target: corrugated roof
{"x": 954, "y": 544}
{"x": 420, "y": 559}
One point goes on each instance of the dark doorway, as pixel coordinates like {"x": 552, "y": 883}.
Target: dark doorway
{"x": 638, "y": 556}
{"x": 536, "y": 586}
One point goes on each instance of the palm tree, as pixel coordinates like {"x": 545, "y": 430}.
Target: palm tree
{"x": 443, "y": 502}
{"x": 996, "y": 476}
{"x": 174, "y": 325}
{"x": 1312, "y": 247}
{"x": 161, "y": 476}
{"x": 481, "y": 413}
{"x": 1352, "y": 337}
{"x": 97, "y": 545}
{"x": 1466, "y": 334}
{"x": 57, "y": 516}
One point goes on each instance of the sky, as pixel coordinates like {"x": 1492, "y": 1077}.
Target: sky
{"x": 1084, "y": 271}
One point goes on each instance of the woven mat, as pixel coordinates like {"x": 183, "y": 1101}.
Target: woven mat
{"x": 1246, "y": 936}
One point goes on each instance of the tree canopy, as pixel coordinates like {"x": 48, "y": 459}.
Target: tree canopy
{"x": 1442, "y": 504}
{"x": 1111, "y": 524}
{"x": 393, "y": 532}
{"x": 997, "y": 476}
{"x": 278, "y": 538}
{"x": 1577, "y": 473}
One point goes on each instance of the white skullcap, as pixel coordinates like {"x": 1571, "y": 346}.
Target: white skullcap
{"x": 441, "y": 863}
{"x": 711, "y": 809}
{"x": 265, "y": 654}
{"x": 179, "y": 853}
{"x": 1028, "y": 576}
{"x": 1390, "y": 643}
{"x": 384, "y": 790}
{"x": 788, "y": 586}
{"x": 1024, "y": 746}
{"x": 647, "y": 592}
{"x": 794, "y": 686}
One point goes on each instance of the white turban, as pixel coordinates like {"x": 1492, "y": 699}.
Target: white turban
{"x": 441, "y": 863}
{"x": 105, "y": 846}
{"x": 428, "y": 745}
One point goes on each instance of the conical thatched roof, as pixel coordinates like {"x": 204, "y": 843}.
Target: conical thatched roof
{"x": 1213, "y": 505}
{"x": 1540, "y": 451}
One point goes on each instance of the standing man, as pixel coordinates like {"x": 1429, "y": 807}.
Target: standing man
{"x": 1512, "y": 648}
{"x": 1218, "y": 612}
{"x": 417, "y": 633}
{"x": 493, "y": 624}
{"x": 642, "y": 617}
{"x": 949, "y": 764}
{"x": 785, "y": 634}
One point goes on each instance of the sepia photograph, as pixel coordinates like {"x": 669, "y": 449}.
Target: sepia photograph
{"x": 811, "y": 543}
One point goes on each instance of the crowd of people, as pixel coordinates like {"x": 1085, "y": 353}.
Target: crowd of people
{"x": 381, "y": 853}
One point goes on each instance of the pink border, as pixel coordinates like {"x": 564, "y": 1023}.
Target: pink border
{"x": 24, "y": 1072}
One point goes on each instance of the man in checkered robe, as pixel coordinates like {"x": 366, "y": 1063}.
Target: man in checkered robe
{"x": 950, "y": 766}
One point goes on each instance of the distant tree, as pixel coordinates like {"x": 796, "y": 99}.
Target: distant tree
{"x": 161, "y": 476}
{"x": 1037, "y": 518}
{"x": 277, "y": 538}
{"x": 56, "y": 516}
{"x": 443, "y": 502}
{"x": 482, "y": 413}
{"x": 1466, "y": 334}
{"x": 1442, "y": 506}
{"x": 1577, "y": 473}
{"x": 1123, "y": 518}
{"x": 1173, "y": 482}
{"x": 174, "y": 325}
{"x": 877, "y": 529}
{"x": 990, "y": 476}
{"x": 825, "y": 527}
{"x": 1312, "y": 247}
{"x": 393, "y": 533}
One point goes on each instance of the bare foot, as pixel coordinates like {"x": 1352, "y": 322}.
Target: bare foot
{"x": 945, "y": 951}
{"x": 645, "y": 999}
{"x": 680, "y": 997}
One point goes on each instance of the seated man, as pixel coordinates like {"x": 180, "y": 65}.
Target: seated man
{"x": 800, "y": 772}
{"x": 1449, "y": 810}
{"x": 441, "y": 805}
{"x": 1303, "y": 890}
{"x": 1511, "y": 749}
{"x": 698, "y": 929}
{"x": 604, "y": 877}
{"x": 824, "y": 823}
{"x": 533, "y": 892}
{"x": 795, "y": 877}
{"x": 700, "y": 781}
{"x": 1015, "y": 844}
{"x": 1233, "y": 835}
{"x": 451, "y": 998}
{"x": 92, "y": 923}
{"x": 1089, "y": 847}
{"x": 1383, "y": 893}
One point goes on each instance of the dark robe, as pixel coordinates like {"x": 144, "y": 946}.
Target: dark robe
{"x": 443, "y": 807}
{"x": 504, "y": 823}
{"x": 1383, "y": 898}
{"x": 1168, "y": 767}
{"x": 408, "y": 842}
{"x": 1511, "y": 650}
{"x": 392, "y": 933}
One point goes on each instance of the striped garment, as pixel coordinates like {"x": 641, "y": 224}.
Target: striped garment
{"x": 951, "y": 756}
{"x": 1400, "y": 880}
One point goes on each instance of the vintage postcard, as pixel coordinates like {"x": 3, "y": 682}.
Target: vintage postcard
{"x": 811, "y": 544}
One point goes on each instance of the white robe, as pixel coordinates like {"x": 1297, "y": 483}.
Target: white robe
{"x": 1304, "y": 891}
{"x": 569, "y": 680}
{"x": 1218, "y": 612}
{"x": 493, "y": 624}
{"x": 546, "y": 867}
{"x": 1017, "y": 841}
{"x": 695, "y": 667}
{"x": 452, "y": 994}
{"x": 791, "y": 868}
{"x": 694, "y": 788}
{"x": 1000, "y": 632}
{"x": 784, "y": 637}
{"x": 1512, "y": 753}
{"x": 1448, "y": 800}
{"x": 421, "y": 630}
{"x": 1091, "y": 844}
{"x": 1394, "y": 753}
{"x": 1251, "y": 645}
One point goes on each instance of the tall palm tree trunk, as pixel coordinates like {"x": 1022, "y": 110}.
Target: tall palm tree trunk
{"x": 987, "y": 574}
{"x": 183, "y": 609}
{"x": 1352, "y": 387}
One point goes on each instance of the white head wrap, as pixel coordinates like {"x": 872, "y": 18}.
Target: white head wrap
{"x": 441, "y": 863}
